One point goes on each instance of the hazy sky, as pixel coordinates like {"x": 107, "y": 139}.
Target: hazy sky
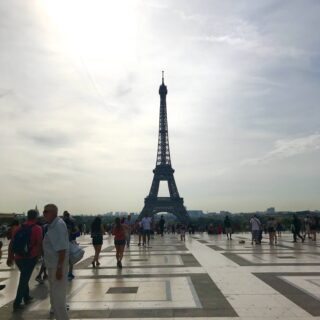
{"x": 79, "y": 103}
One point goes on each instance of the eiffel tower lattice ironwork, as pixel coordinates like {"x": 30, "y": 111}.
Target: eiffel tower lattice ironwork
{"x": 164, "y": 172}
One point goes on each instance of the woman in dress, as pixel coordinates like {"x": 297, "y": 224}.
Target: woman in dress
{"x": 97, "y": 233}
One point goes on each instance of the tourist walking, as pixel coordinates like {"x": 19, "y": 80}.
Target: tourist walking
{"x": 313, "y": 228}
{"x": 146, "y": 225}
{"x": 24, "y": 249}
{"x": 295, "y": 228}
{"x": 73, "y": 233}
{"x": 256, "y": 230}
{"x": 119, "y": 232}
{"x": 139, "y": 229}
{"x": 97, "y": 232}
{"x": 128, "y": 223}
{"x": 228, "y": 227}
{"x": 271, "y": 227}
{"x": 279, "y": 228}
{"x": 161, "y": 225}
{"x": 43, "y": 269}
{"x": 307, "y": 223}
{"x": 183, "y": 230}
{"x": 56, "y": 253}
{"x": 2, "y": 286}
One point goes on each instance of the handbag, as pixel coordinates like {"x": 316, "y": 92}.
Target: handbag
{"x": 75, "y": 252}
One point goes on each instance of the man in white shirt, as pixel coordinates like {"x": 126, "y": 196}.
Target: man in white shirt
{"x": 56, "y": 256}
{"x": 146, "y": 225}
{"x": 256, "y": 229}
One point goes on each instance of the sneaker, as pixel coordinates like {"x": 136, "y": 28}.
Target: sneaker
{"x": 2, "y": 286}
{"x": 70, "y": 276}
{"x": 39, "y": 280}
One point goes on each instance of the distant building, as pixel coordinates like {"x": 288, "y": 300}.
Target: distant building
{"x": 271, "y": 210}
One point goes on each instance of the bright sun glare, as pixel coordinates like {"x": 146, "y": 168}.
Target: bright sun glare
{"x": 95, "y": 28}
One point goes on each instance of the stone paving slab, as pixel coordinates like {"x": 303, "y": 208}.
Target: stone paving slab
{"x": 207, "y": 277}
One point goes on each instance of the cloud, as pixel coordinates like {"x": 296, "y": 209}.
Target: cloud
{"x": 79, "y": 103}
{"x": 287, "y": 148}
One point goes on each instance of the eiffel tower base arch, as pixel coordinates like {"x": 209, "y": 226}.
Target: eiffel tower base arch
{"x": 165, "y": 204}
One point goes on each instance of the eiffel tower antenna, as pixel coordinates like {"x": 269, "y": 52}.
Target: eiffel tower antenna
{"x": 164, "y": 171}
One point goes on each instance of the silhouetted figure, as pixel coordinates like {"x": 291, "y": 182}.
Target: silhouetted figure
{"x": 295, "y": 228}
{"x": 161, "y": 225}
{"x": 227, "y": 227}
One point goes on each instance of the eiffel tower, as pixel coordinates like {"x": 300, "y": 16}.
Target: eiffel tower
{"x": 164, "y": 172}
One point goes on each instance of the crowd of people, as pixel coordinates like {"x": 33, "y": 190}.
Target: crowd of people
{"x": 300, "y": 227}
{"x": 51, "y": 240}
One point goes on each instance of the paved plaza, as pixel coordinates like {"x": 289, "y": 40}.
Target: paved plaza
{"x": 205, "y": 277}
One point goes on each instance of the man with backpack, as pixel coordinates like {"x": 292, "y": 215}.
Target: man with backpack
{"x": 24, "y": 249}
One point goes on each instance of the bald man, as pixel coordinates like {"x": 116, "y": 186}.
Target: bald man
{"x": 56, "y": 256}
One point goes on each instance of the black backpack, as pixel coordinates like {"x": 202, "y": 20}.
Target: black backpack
{"x": 21, "y": 241}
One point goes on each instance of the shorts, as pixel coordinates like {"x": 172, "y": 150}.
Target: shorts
{"x": 228, "y": 230}
{"x": 146, "y": 232}
{"x": 271, "y": 230}
{"x": 97, "y": 240}
{"x": 140, "y": 231}
{"x": 119, "y": 242}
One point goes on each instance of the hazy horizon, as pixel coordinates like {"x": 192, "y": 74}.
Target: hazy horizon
{"x": 79, "y": 103}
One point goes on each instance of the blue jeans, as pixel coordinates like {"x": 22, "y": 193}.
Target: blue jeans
{"x": 26, "y": 267}
{"x": 256, "y": 236}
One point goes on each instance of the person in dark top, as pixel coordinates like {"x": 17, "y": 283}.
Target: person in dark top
{"x": 97, "y": 232}
{"x": 227, "y": 227}
{"x": 73, "y": 233}
{"x": 296, "y": 227}
{"x": 313, "y": 227}
{"x": 161, "y": 225}
{"x": 2, "y": 286}
{"x": 25, "y": 263}
{"x": 43, "y": 269}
